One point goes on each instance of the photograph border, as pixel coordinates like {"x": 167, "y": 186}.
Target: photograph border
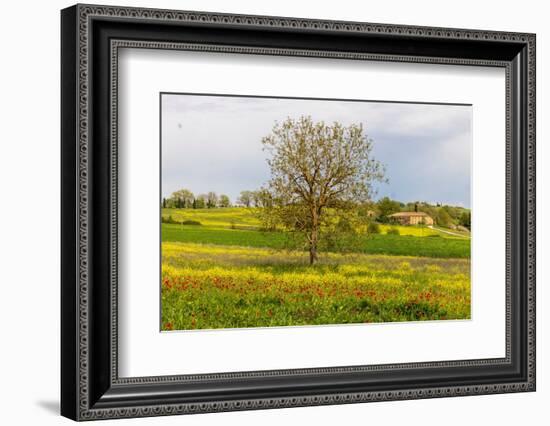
{"x": 271, "y": 97}
{"x": 91, "y": 37}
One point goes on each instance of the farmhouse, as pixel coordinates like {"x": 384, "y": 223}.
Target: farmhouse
{"x": 412, "y": 218}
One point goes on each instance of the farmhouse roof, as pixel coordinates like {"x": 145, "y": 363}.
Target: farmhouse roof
{"x": 409, "y": 214}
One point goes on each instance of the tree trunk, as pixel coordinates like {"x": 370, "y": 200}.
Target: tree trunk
{"x": 312, "y": 254}
{"x": 313, "y": 239}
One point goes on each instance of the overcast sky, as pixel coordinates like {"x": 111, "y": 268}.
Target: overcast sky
{"x": 213, "y": 143}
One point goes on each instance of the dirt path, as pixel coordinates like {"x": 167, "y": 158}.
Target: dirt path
{"x": 448, "y": 232}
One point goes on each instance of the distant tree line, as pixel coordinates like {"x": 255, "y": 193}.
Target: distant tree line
{"x": 185, "y": 199}
{"x": 380, "y": 211}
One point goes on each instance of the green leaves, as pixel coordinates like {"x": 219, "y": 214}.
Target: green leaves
{"x": 317, "y": 168}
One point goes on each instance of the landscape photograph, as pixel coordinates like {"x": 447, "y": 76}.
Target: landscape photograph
{"x": 282, "y": 211}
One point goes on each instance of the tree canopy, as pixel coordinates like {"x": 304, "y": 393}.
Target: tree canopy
{"x": 246, "y": 198}
{"x": 315, "y": 167}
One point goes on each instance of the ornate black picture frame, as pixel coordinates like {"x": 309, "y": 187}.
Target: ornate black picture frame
{"x": 91, "y": 36}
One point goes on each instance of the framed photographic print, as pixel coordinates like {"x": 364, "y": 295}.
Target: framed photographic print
{"x": 263, "y": 212}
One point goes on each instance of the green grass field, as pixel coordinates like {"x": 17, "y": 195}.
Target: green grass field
{"x": 227, "y": 273}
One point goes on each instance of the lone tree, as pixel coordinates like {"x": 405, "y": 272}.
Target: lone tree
{"x": 318, "y": 168}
